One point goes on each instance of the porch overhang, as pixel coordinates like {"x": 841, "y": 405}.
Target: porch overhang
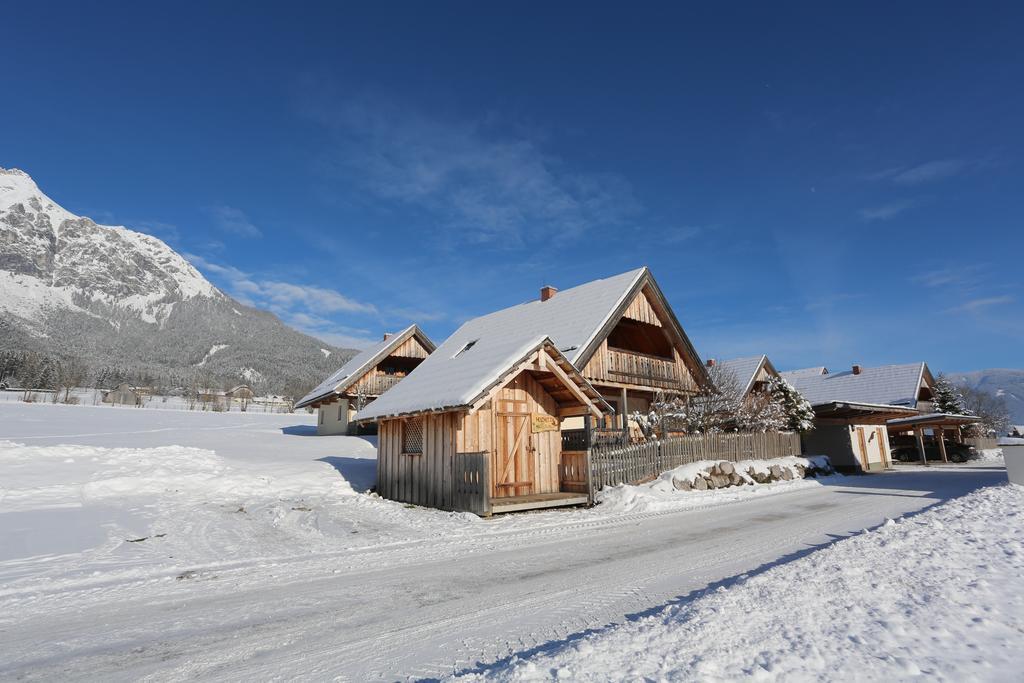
{"x": 866, "y": 413}
{"x": 932, "y": 420}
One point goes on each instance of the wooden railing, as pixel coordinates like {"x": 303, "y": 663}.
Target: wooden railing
{"x": 645, "y": 461}
{"x": 375, "y": 385}
{"x": 637, "y": 368}
{"x": 471, "y": 485}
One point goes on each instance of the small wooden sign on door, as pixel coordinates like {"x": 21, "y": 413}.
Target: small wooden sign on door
{"x": 543, "y": 423}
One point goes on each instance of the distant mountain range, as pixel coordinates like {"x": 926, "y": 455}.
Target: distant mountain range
{"x": 1002, "y": 382}
{"x": 116, "y": 297}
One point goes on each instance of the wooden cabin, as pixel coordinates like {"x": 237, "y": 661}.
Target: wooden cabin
{"x": 364, "y": 378}
{"x": 497, "y": 450}
{"x": 753, "y": 373}
{"x": 617, "y": 343}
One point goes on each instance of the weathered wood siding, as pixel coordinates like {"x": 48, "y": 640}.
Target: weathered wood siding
{"x": 375, "y": 381}
{"x": 410, "y": 348}
{"x": 424, "y": 478}
{"x": 521, "y": 395}
{"x": 640, "y": 309}
{"x": 627, "y": 369}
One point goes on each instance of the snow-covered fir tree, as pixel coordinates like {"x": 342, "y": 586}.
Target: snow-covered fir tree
{"x": 948, "y": 398}
{"x": 798, "y": 411}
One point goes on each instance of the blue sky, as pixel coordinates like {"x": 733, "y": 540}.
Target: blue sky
{"x": 824, "y": 184}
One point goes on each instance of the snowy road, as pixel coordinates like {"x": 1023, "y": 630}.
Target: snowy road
{"x": 428, "y": 607}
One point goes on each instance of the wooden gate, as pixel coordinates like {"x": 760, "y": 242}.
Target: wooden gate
{"x": 513, "y": 455}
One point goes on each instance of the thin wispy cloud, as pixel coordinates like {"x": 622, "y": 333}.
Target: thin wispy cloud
{"x": 302, "y": 306}
{"x": 480, "y": 186}
{"x": 233, "y": 220}
{"x": 887, "y": 211}
{"x": 978, "y": 305}
{"x": 927, "y": 172}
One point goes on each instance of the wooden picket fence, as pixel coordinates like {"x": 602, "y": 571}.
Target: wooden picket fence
{"x": 645, "y": 461}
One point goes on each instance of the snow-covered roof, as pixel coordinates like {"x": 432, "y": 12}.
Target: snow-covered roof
{"x": 745, "y": 369}
{"x": 803, "y": 372}
{"x": 893, "y": 385}
{"x": 360, "y": 363}
{"x": 469, "y": 377}
{"x": 483, "y": 348}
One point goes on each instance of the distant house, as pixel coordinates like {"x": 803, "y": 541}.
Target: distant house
{"x": 506, "y": 407}
{"x": 242, "y": 392}
{"x": 754, "y": 373}
{"x": 123, "y": 395}
{"x": 364, "y": 378}
{"x": 856, "y": 410}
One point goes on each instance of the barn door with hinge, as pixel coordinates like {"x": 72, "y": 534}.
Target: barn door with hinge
{"x": 513, "y": 455}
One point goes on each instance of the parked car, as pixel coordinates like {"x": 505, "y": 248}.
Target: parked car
{"x": 957, "y": 452}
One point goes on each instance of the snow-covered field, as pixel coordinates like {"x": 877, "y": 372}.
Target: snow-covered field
{"x": 172, "y": 544}
{"x": 94, "y": 397}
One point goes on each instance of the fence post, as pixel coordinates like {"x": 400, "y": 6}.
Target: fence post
{"x": 590, "y": 479}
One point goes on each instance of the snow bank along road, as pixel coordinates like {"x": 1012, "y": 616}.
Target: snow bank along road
{"x": 261, "y": 558}
{"x": 936, "y": 596}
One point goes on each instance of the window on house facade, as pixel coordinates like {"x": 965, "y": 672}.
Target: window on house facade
{"x": 321, "y": 416}
{"x": 341, "y": 407}
{"x": 412, "y": 435}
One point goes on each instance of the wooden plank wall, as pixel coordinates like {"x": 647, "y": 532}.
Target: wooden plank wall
{"x": 640, "y": 309}
{"x": 421, "y": 479}
{"x": 427, "y": 478}
{"x": 410, "y": 348}
{"x": 369, "y": 383}
{"x": 522, "y": 394}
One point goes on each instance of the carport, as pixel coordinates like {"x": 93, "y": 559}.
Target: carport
{"x": 939, "y": 423}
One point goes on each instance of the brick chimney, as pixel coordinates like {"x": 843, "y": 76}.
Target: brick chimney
{"x": 712, "y": 362}
{"x": 547, "y": 291}
{"x": 856, "y": 369}
{"x": 387, "y": 335}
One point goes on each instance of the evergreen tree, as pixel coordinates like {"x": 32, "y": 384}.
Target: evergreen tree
{"x": 948, "y": 398}
{"x": 798, "y": 411}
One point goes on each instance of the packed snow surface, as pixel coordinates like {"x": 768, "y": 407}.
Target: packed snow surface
{"x": 937, "y": 596}
{"x": 157, "y": 544}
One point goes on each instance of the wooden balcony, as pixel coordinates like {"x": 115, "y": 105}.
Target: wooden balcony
{"x": 375, "y": 385}
{"x": 640, "y": 369}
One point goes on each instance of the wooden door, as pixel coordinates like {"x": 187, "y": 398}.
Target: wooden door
{"x": 863, "y": 442}
{"x": 883, "y": 447}
{"x": 513, "y": 470}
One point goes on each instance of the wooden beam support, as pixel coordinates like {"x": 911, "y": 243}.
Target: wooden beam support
{"x": 574, "y": 388}
{"x": 624, "y": 421}
{"x": 940, "y": 432}
{"x": 919, "y": 435}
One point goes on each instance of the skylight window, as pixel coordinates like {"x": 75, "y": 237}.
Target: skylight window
{"x": 465, "y": 348}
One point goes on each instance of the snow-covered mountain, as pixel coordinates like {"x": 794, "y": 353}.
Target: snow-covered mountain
{"x": 118, "y": 297}
{"x": 1005, "y": 382}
